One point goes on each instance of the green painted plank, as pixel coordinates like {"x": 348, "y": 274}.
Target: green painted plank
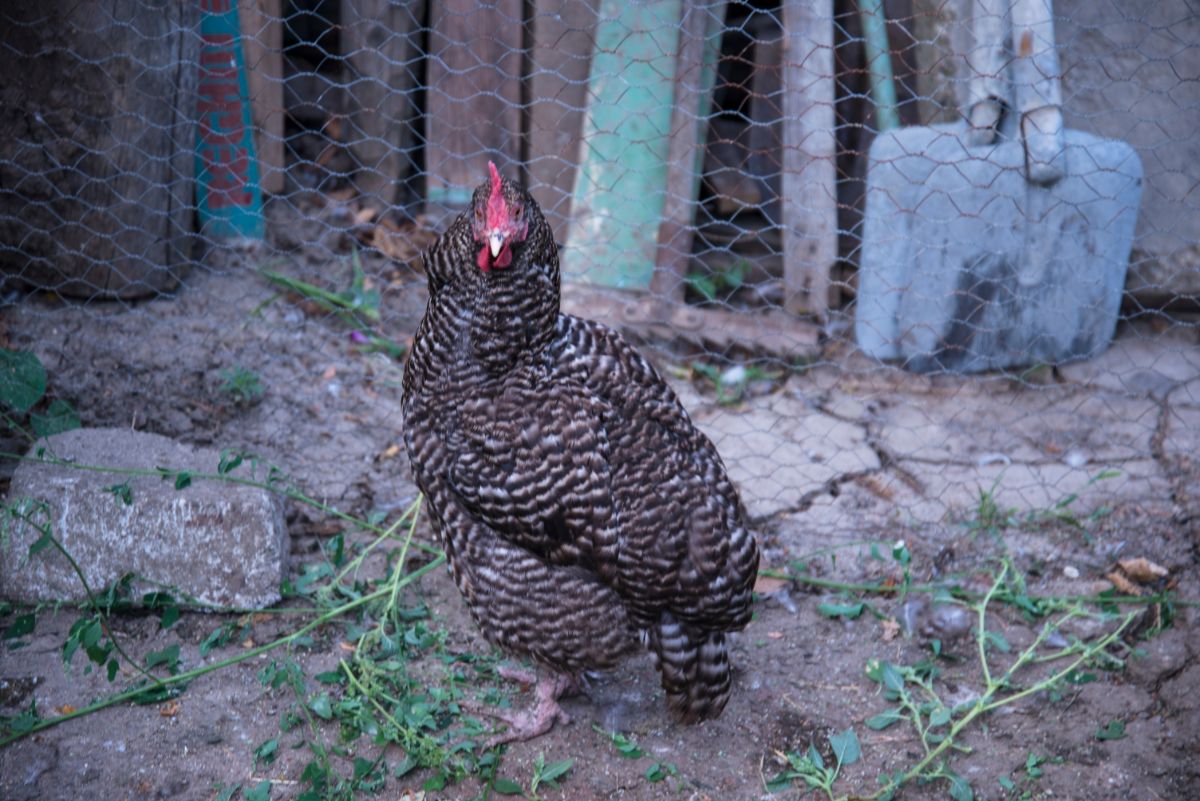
{"x": 620, "y": 186}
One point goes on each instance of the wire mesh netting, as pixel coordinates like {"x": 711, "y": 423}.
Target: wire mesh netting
{"x": 712, "y": 160}
{"x": 915, "y": 266}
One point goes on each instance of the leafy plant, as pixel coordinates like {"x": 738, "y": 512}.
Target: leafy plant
{"x": 357, "y": 306}
{"x": 626, "y": 746}
{"x": 731, "y": 384}
{"x": 810, "y": 767}
{"x": 23, "y": 385}
{"x": 713, "y": 285}
{"x": 241, "y": 384}
{"x": 938, "y": 724}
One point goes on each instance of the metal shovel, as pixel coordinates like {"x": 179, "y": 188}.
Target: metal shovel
{"x": 1003, "y": 240}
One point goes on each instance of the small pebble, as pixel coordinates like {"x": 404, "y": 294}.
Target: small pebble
{"x": 734, "y": 376}
{"x": 950, "y": 620}
{"x": 1071, "y": 572}
{"x": 1075, "y": 459}
{"x": 1055, "y": 640}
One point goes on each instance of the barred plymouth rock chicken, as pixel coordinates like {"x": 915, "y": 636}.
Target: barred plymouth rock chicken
{"x": 579, "y": 507}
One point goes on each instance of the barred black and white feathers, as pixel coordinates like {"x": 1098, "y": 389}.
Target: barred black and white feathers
{"x": 579, "y": 506}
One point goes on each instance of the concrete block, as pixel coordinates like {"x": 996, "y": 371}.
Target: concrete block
{"x": 220, "y": 542}
{"x": 967, "y": 266}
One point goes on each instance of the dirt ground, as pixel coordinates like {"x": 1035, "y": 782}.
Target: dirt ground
{"x": 1065, "y": 472}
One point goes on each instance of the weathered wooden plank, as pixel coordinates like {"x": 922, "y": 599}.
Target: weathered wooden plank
{"x": 262, "y": 46}
{"x": 648, "y": 317}
{"x": 380, "y": 48}
{"x": 620, "y": 185}
{"x": 97, "y": 164}
{"x": 563, "y": 38}
{"x": 809, "y": 150}
{"x": 473, "y": 95}
{"x": 695, "y": 71}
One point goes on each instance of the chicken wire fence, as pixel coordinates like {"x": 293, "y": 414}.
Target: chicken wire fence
{"x": 825, "y": 219}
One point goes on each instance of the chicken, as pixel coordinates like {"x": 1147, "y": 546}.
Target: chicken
{"x": 579, "y": 507}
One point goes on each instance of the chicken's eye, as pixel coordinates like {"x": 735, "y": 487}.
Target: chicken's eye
{"x": 518, "y": 212}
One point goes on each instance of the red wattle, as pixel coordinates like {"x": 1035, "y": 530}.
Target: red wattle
{"x": 484, "y": 259}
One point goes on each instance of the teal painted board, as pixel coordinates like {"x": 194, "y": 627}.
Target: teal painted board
{"x": 620, "y": 186}
{"x": 228, "y": 198}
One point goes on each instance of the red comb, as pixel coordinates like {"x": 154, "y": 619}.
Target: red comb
{"x": 496, "y": 208}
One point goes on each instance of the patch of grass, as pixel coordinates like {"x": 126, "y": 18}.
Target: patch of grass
{"x": 242, "y": 384}
{"x": 731, "y": 384}
{"x": 990, "y": 518}
{"x": 715, "y": 286}
{"x": 357, "y": 306}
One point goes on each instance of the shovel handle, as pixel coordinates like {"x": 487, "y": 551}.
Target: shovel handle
{"x": 1038, "y": 89}
{"x": 986, "y": 89}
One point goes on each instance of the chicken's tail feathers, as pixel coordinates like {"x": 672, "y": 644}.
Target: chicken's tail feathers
{"x": 694, "y": 666}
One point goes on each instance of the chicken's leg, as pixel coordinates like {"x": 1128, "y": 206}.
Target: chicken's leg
{"x": 549, "y": 686}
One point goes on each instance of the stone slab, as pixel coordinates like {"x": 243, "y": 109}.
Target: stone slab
{"x": 1032, "y": 426}
{"x": 778, "y": 452}
{"x": 219, "y": 542}
{"x": 951, "y": 492}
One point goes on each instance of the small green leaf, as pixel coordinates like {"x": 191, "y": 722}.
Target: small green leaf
{"x": 24, "y": 624}
{"x": 779, "y": 783}
{"x": 122, "y": 492}
{"x": 939, "y": 717}
{"x": 168, "y": 656}
{"x": 321, "y": 707}
{"x": 330, "y": 677}
{"x": 183, "y": 480}
{"x": 265, "y": 753}
{"x": 22, "y": 379}
{"x": 814, "y": 756}
{"x": 170, "y": 617}
{"x": 225, "y": 793}
{"x": 555, "y": 770}
{"x": 60, "y": 416}
{"x": 885, "y": 719}
{"x": 846, "y": 749}
{"x": 1007, "y": 783}
{"x": 997, "y": 641}
{"x": 1114, "y": 730}
{"x": 41, "y": 543}
{"x": 362, "y": 767}
{"x": 229, "y": 461}
{"x": 261, "y": 791}
{"x": 848, "y": 610}
{"x": 960, "y": 789}
{"x": 886, "y": 674}
{"x": 505, "y": 786}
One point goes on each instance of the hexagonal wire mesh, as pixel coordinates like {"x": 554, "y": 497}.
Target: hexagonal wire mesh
{"x": 918, "y": 267}
{"x": 178, "y": 189}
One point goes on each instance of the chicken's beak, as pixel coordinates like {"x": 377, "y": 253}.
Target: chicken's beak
{"x": 495, "y": 243}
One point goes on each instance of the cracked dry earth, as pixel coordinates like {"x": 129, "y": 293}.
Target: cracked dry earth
{"x": 829, "y": 460}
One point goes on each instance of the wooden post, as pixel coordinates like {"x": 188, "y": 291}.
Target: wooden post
{"x": 809, "y": 150}
{"x": 262, "y": 45}
{"x": 563, "y": 35}
{"x": 473, "y": 97}
{"x": 695, "y": 71}
{"x": 377, "y": 39}
{"x": 97, "y": 145}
